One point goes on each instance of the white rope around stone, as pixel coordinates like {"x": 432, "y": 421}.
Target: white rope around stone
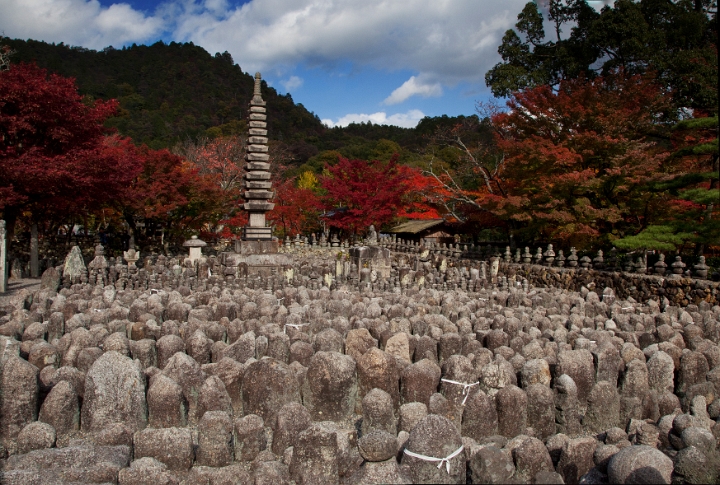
{"x": 296, "y": 326}
{"x": 466, "y": 387}
{"x": 445, "y": 460}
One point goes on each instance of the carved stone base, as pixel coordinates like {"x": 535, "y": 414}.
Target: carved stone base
{"x": 246, "y": 248}
{"x": 257, "y": 234}
{"x": 255, "y": 258}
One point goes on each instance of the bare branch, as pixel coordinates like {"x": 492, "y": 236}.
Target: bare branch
{"x": 223, "y": 157}
{"x": 478, "y": 157}
{"x": 5, "y": 53}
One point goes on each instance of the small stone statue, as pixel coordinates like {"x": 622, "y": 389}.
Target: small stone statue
{"x": 599, "y": 261}
{"x": 131, "y": 256}
{"x": 611, "y": 260}
{"x": 640, "y": 267}
{"x": 99, "y": 251}
{"x": 549, "y": 255}
{"x": 527, "y": 257}
{"x": 572, "y": 260}
{"x": 508, "y": 255}
{"x": 538, "y": 256}
{"x": 585, "y": 262}
{"x": 494, "y": 267}
{"x": 372, "y": 237}
{"x": 700, "y": 270}
{"x": 629, "y": 265}
{"x": 678, "y": 266}
{"x": 560, "y": 260}
{"x": 661, "y": 265}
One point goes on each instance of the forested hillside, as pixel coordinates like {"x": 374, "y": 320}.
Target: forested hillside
{"x": 180, "y": 97}
{"x": 168, "y": 92}
{"x": 171, "y": 93}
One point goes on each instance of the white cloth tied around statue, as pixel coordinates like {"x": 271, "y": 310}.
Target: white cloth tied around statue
{"x": 445, "y": 460}
{"x": 296, "y": 326}
{"x": 466, "y": 387}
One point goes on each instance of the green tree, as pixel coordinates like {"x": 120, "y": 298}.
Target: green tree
{"x": 693, "y": 193}
{"x": 677, "y": 39}
{"x": 169, "y": 92}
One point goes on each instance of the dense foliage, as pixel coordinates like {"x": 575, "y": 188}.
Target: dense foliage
{"x": 52, "y": 151}
{"x": 592, "y": 148}
{"x": 608, "y": 137}
{"x": 675, "y": 39}
{"x": 361, "y": 193}
{"x": 578, "y": 161}
{"x": 169, "y": 92}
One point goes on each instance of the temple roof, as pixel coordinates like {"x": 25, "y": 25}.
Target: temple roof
{"x": 413, "y": 227}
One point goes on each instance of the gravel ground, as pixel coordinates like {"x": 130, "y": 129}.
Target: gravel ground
{"x": 14, "y": 286}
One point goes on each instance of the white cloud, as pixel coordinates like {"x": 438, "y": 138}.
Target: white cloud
{"x": 411, "y": 87}
{"x": 443, "y": 41}
{"x": 405, "y": 120}
{"x": 217, "y": 7}
{"x": 293, "y": 82}
{"x": 77, "y": 22}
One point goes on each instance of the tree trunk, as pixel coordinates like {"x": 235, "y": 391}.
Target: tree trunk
{"x": 715, "y": 182}
{"x": 10, "y": 214}
{"x": 34, "y": 267}
{"x": 132, "y": 230}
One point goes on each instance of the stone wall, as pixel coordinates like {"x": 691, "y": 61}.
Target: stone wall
{"x": 678, "y": 290}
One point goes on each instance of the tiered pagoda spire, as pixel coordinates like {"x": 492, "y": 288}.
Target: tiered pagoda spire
{"x": 257, "y": 170}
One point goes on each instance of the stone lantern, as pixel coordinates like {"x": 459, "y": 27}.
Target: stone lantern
{"x": 195, "y": 246}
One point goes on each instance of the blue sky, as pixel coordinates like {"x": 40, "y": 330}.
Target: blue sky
{"x": 387, "y": 61}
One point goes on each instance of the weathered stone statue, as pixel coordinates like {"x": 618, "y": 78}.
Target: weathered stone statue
{"x": 372, "y": 237}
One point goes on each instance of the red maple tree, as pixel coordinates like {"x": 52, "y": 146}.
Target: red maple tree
{"x": 296, "y": 211}
{"x": 222, "y": 157}
{"x": 221, "y": 160}
{"x": 51, "y": 145}
{"x": 423, "y": 197}
{"x": 361, "y": 193}
{"x": 578, "y": 160}
{"x": 168, "y": 191}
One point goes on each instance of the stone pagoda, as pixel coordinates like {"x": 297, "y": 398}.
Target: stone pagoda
{"x": 256, "y": 250}
{"x": 257, "y": 176}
